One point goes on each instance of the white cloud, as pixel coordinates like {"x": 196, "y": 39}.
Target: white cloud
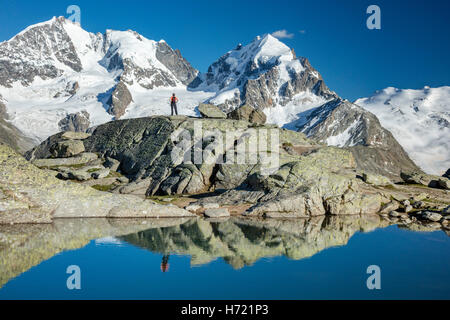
{"x": 302, "y": 31}
{"x": 283, "y": 34}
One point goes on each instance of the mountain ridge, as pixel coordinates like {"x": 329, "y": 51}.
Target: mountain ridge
{"x": 77, "y": 79}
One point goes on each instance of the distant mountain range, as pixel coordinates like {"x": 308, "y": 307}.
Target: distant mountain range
{"x": 56, "y": 76}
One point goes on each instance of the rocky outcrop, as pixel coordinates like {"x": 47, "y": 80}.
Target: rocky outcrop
{"x": 248, "y": 114}
{"x": 307, "y": 187}
{"x": 81, "y": 159}
{"x": 70, "y": 89}
{"x": 120, "y": 100}
{"x": 152, "y": 152}
{"x": 376, "y": 179}
{"x": 211, "y": 111}
{"x": 33, "y": 195}
{"x": 447, "y": 174}
{"x": 78, "y": 122}
{"x": 291, "y": 177}
{"x": 174, "y": 61}
{"x": 67, "y": 148}
{"x": 343, "y": 124}
{"x": 426, "y": 180}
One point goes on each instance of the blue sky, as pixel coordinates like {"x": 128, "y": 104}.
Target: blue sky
{"x": 410, "y": 51}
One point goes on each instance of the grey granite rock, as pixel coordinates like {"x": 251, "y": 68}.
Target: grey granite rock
{"x": 119, "y": 101}
{"x": 211, "y": 111}
{"x": 76, "y": 122}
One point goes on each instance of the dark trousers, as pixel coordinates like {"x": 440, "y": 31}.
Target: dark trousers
{"x": 173, "y": 106}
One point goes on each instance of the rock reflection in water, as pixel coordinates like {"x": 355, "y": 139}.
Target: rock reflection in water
{"x": 27, "y": 245}
{"x": 241, "y": 242}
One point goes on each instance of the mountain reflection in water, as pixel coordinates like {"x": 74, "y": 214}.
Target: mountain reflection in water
{"x": 239, "y": 241}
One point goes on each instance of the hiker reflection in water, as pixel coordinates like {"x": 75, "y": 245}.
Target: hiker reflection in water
{"x": 165, "y": 263}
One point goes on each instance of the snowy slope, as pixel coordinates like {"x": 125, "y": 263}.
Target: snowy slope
{"x": 419, "y": 120}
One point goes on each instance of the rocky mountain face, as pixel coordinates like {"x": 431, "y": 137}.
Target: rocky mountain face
{"x": 36, "y": 52}
{"x": 174, "y": 61}
{"x": 263, "y": 74}
{"x": 77, "y": 122}
{"x": 344, "y": 124}
{"x": 119, "y": 100}
{"x": 160, "y": 66}
{"x": 48, "y": 49}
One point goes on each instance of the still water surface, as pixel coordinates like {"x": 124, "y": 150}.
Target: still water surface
{"x": 235, "y": 259}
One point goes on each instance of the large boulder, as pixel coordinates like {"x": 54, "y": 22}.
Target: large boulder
{"x": 425, "y": 179}
{"x": 447, "y": 174}
{"x": 444, "y": 183}
{"x": 249, "y": 114}
{"x": 80, "y": 159}
{"x": 308, "y": 188}
{"x": 376, "y": 179}
{"x": 67, "y": 148}
{"x": 211, "y": 111}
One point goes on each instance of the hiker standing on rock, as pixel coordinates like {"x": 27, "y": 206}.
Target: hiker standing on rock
{"x": 173, "y": 104}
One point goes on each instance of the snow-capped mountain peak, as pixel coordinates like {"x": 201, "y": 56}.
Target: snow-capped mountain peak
{"x": 265, "y": 73}
{"x": 56, "y": 69}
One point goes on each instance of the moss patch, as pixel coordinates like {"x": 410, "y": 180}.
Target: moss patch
{"x": 107, "y": 187}
{"x": 114, "y": 174}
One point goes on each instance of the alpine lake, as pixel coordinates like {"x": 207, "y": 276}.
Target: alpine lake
{"x": 329, "y": 257}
